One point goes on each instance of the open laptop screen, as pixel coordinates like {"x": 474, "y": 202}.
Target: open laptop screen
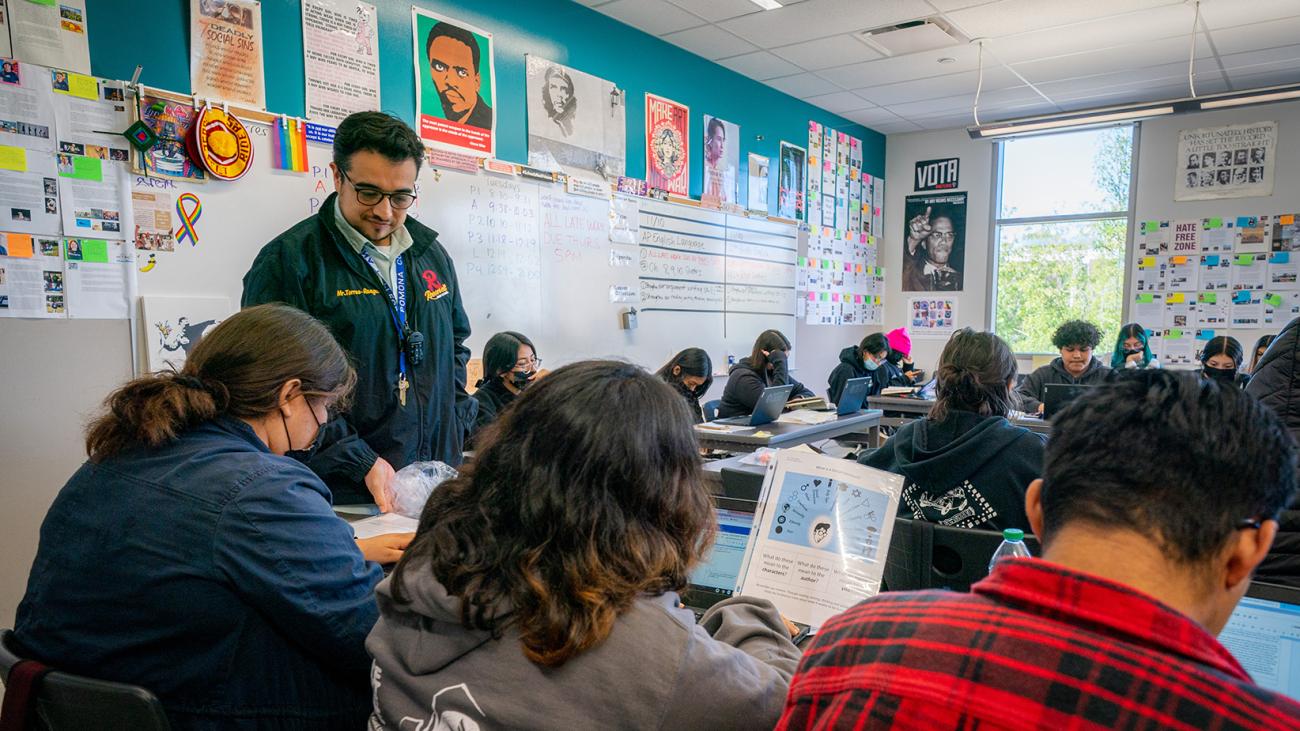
{"x": 714, "y": 579}
{"x": 1264, "y": 635}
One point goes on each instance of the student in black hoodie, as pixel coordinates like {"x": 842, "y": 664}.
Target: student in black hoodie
{"x": 965, "y": 465}
{"x": 1221, "y": 362}
{"x": 766, "y": 366}
{"x": 690, "y": 373}
{"x": 1275, "y": 381}
{"x": 867, "y": 359}
{"x": 510, "y": 364}
{"x": 1076, "y": 340}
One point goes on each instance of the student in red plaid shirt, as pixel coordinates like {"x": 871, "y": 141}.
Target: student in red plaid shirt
{"x": 1160, "y": 496}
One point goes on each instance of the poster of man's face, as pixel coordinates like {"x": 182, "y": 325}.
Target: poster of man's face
{"x": 1193, "y": 161}
{"x": 558, "y": 99}
{"x": 1256, "y": 156}
{"x": 934, "y": 243}
{"x": 575, "y": 120}
{"x": 455, "y": 94}
{"x": 1207, "y": 160}
{"x": 790, "y": 190}
{"x": 1225, "y": 158}
{"x": 453, "y": 55}
{"x": 1225, "y": 176}
{"x": 721, "y": 159}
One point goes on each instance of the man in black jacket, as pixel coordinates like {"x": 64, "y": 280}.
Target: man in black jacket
{"x": 388, "y": 291}
{"x": 1276, "y": 383}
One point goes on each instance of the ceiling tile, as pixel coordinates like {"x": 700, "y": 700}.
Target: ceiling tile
{"x": 949, "y": 5}
{"x": 839, "y": 102}
{"x": 1244, "y": 81}
{"x": 870, "y": 117}
{"x": 1143, "y": 26}
{"x": 1110, "y": 60}
{"x": 655, "y": 17}
{"x": 1020, "y": 16}
{"x": 827, "y": 52}
{"x": 821, "y": 18}
{"x": 1264, "y": 60}
{"x": 937, "y": 87}
{"x": 761, "y": 65}
{"x": 710, "y": 42}
{"x": 898, "y": 127}
{"x": 905, "y": 68}
{"x": 802, "y": 85}
{"x": 989, "y": 103}
{"x": 1257, "y": 36}
{"x": 1216, "y": 14}
{"x": 715, "y": 10}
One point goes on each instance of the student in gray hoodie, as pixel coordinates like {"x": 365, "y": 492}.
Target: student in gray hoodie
{"x": 1075, "y": 340}
{"x": 540, "y": 590}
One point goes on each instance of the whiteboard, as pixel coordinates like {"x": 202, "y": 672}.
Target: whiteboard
{"x": 528, "y": 256}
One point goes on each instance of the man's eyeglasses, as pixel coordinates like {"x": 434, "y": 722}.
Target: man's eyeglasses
{"x": 401, "y": 200}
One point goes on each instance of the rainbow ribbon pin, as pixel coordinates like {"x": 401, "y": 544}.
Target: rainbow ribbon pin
{"x": 188, "y": 217}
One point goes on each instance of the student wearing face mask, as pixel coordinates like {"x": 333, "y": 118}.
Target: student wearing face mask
{"x": 194, "y": 556}
{"x": 900, "y": 357}
{"x": 690, "y": 373}
{"x": 867, "y": 359}
{"x": 1132, "y": 349}
{"x": 510, "y": 364}
{"x": 768, "y": 365}
{"x": 1075, "y": 340}
{"x": 1221, "y": 362}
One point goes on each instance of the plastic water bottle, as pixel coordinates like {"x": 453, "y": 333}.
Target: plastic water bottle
{"x": 1013, "y": 546}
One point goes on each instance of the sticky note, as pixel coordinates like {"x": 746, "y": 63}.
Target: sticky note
{"x": 1287, "y": 220}
{"x": 1241, "y": 297}
{"x": 84, "y": 168}
{"x": 1174, "y": 334}
{"x": 1245, "y": 260}
{"x": 19, "y": 245}
{"x": 13, "y": 158}
{"x": 1178, "y": 260}
{"x": 94, "y": 251}
{"x": 1176, "y": 298}
{"x": 803, "y": 261}
{"x": 1204, "y": 334}
{"x": 42, "y": 2}
{"x": 1147, "y": 261}
{"x": 1146, "y": 298}
{"x": 1273, "y": 299}
{"x": 1245, "y": 220}
{"x": 1210, "y": 298}
{"x": 83, "y": 86}
{"x": 1280, "y": 257}
{"x": 1213, "y": 223}
{"x": 812, "y": 296}
{"x": 1210, "y": 261}
{"x": 1150, "y": 226}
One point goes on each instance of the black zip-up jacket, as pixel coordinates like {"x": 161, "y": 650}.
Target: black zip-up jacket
{"x": 1276, "y": 383}
{"x": 745, "y": 385}
{"x": 314, "y": 268}
{"x": 851, "y": 366}
{"x": 492, "y": 396}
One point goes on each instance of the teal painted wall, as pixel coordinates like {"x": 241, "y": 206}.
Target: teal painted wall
{"x": 155, "y": 33}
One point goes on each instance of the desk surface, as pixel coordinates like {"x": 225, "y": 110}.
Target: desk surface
{"x": 914, "y": 408}
{"x": 778, "y": 434}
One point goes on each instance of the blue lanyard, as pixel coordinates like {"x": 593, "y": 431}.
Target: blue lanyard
{"x": 396, "y": 304}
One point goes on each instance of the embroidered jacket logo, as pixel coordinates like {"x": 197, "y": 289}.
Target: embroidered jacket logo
{"x": 433, "y": 287}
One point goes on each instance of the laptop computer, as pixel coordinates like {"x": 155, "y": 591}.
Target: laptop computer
{"x": 1057, "y": 395}
{"x": 767, "y": 409}
{"x": 714, "y": 579}
{"x": 1264, "y": 635}
{"x": 851, "y": 398}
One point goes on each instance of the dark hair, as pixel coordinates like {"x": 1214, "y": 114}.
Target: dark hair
{"x": 1263, "y": 342}
{"x": 1223, "y": 345}
{"x": 768, "y": 340}
{"x": 715, "y": 123}
{"x": 502, "y": 352}
{"x": 974, "y": 374}
{"x": 377, "y": 132}
{"x": 694, "y": 362}
{"x": 1131, "y": 330}
{"x": 237, "y": 369}
{"x": 586, "y": 494}
{"x": 1168, "y": 455}
{"x": 874, "y": 343}
{"x": 546, "y": 90}
{"x": 1076, "y": 334}
{"x": 456, "y": 33}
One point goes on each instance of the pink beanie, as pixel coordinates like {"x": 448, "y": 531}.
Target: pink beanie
{"x": 900, "y": 341}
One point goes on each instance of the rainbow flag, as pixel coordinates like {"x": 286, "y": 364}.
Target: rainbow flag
{"x": 289, "y": 145}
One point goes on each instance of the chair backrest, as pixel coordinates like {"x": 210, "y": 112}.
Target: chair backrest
{"x": 67, "y": 702}
{"x": 924, "y": 555}
{"x": 711, "y": 409}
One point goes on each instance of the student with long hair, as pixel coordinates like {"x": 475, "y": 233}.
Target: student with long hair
{"x": 540, "y": 590}
{"x": 1261, "y": 347}
{"x": 1132, "y": 349}
{"x": 510, "y": 364}
{"x": 965, "y": 465}
{"x": 195, "y": 555}
{"x": 690, "y": 372}
{"x": 767, "y": 365}
{"x": 1221, "y": 362}
{"x": 867, "y": 359}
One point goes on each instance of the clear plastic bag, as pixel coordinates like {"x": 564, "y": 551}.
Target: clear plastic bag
{"x": 414, "y": 483}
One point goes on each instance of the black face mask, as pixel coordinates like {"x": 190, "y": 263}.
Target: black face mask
{"x": 686, "y": 391}
{"x": 520, "y": 380}
{"x": 1227, "y": 375}
{"x": 306, "y": 453}
{"x": 1128, "y": 352}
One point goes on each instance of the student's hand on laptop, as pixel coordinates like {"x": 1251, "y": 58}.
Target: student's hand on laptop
{"x": 386, "y": 548}
{"x": 791, "y": 627}
{"x": 1040, "y": 409}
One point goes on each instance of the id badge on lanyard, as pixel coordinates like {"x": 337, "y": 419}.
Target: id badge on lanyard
{"x": 410, "y": 343}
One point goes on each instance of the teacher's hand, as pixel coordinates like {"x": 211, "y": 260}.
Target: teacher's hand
{"x": 379, "y": 481}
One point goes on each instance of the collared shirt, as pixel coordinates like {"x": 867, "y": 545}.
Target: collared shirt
{"x": 1036, "y": 645}
{"x": 385, "y": 256}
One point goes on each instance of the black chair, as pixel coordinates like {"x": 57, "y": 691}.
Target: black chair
{"x": 710, "y": 409}
{"x": 924, "y": 555}
{"x": 67, "y": 702}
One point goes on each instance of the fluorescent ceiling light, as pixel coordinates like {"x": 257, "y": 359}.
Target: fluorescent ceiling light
{"x": 1084, "y": 120}
{"x": 1275, "y": 96}
{"x": 766, "y": 4}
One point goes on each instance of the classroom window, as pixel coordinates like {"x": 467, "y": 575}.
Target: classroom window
{"x": 1061, "y": 229}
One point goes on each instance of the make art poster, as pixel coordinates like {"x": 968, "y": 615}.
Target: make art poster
{"x": 455, "y": 85}
{"x": 1235, "y": 161}
{"x": 50, "y": 33}
{"x": 791, "y": 197}
{"x": 174, "y": 325}
{"x": 758, "y": 173}
{"x": 934, "y": 242}
{"x": 577, "y": 123}
{"x": 667, "y": 145}
{"x": 340, "y": 45}
{"x": 721, "y": 160}
{"x": 932, "y": 318}
{"x": 226, "y": 51}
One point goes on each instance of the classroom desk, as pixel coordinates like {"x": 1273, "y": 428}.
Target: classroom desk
{"x": 901, "y": 409}
{"x": 780, "y": 435}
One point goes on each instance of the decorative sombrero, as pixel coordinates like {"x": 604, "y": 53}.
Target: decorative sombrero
{"x": 220, "y": 143}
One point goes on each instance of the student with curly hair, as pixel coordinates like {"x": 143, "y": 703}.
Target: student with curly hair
{"x": 1075, "y": 340}
{"x": 540, "y": 590}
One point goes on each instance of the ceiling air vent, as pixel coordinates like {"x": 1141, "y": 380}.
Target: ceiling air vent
{"x": 914, "y": 36}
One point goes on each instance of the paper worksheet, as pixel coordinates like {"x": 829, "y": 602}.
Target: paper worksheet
{"x": 51, "y": 34}
{"x": 100, "y": 278}
{"x": 1216, "y": 273}
{"x": 31, "y": 277}
{"x": 383, "y": 523}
